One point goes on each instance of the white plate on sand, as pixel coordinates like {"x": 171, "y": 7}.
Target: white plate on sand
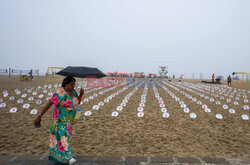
{"x": 164, "y": 110}
{"x": 245, "y": 117}
{"x": 140, "y": 109}
{"x": 115, "y": 114}
{"x": 140, "y": 114}
{"x": 19, "y": 101}
{"x": 2, "y": 105}
{"x": 33, "y": 112}
{"x": 96, "y": 107}
{"x": 13, "y": 110}
{"x": 87, "y": 113}
{"x": 192, "y": 115}
{"x": 119, "y": 108}
{"x": 26, "y": 106}
{"x": 218, "y": 116}
{"x": 186, "y": 110}
{"x": 231, "y": 111}
{"x": 24, "y": 95}
{"x": 165, "y": 115}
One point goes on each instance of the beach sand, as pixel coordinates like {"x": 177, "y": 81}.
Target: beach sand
{"x": 152, "y": 135}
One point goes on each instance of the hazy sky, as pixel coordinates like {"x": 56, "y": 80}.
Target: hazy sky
{"x": 207, "y": 36}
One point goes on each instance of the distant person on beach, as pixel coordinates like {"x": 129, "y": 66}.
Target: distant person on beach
{"x": 213, "y": 77}
{"x": 30, "y": 74}
{"x": 65, "y": 100}
{"x": 229, "y": 80}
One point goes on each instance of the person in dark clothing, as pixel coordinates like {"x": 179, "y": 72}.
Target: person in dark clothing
{"x": 229, "y": 80}
{"x": 30, "y": 73}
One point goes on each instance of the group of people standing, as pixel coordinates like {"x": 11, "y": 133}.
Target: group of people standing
{"x": 229, "y": 79}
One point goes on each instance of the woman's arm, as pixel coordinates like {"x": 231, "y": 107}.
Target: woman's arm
{"x": 47, "y": 106}
{"x": 80, "y": 96}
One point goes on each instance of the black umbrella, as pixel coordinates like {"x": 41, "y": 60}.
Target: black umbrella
{"x": 81, "y": 72}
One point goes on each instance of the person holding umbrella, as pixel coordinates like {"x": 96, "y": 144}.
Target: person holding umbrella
{"x": 65, "y": 101}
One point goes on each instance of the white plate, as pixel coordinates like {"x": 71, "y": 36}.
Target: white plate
{"x": 33, "y": 112}
{"x": 165, "y": 115}
{"x": 246, "y": 107}
{"x": 204, "y": 106}
{"x": 164, "y": 110}
{"x": 225, "y": 106}
{"x": 96, "y": 107}
{"x": 12, "y": 98}
{"x": 87, "y": 113}
{"x": 211, "y": 100}
{"x": 245, "y": 117}
{"x": 39, "y": 102}
{"x": 186, "y": 110}
{"x": 181, "y": 102}
{"x": 41, "y": 96}
{"x": 30, "y": 98}
{"x": 140, "y": 114}
{"x": 236, "y": 103}
{"x": 142, "y": 105}
{"x": 19, "y": 101}
{"x": 218, "y": 116}
{"x": 207, "y": 110}
{"x": 119, "y": 108}
{"x": 140, "y": 109}
{"x": 231, "y": 111}
{"x": 24, "y": 95}
{"x": 13, "y": 110}
{"x": 183, "y": 106}
{"x": 123, "y": 104}
{"x": 26, "y": 106}
{"x": 192, "y": 115}
{"x": 100, "y": 104}
{"x": 2, "y": 105}
{"x": 114, "y": 114}
{"x": 162, "y": 105}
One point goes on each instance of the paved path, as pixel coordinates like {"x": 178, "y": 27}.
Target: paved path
{"x": 6, "y": 159}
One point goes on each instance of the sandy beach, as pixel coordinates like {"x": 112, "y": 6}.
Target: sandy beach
{"x": 152, "y": 135}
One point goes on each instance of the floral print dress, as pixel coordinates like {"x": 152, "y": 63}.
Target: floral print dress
{"x": 61, "y": 125}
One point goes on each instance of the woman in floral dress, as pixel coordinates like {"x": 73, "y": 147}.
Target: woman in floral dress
{"x": 65, "y": 101}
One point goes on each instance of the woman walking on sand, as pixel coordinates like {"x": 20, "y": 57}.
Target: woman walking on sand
{"x": 65, "y": 100}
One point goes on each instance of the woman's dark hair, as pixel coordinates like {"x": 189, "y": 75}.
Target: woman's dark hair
{"x": 67, "y": 80}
